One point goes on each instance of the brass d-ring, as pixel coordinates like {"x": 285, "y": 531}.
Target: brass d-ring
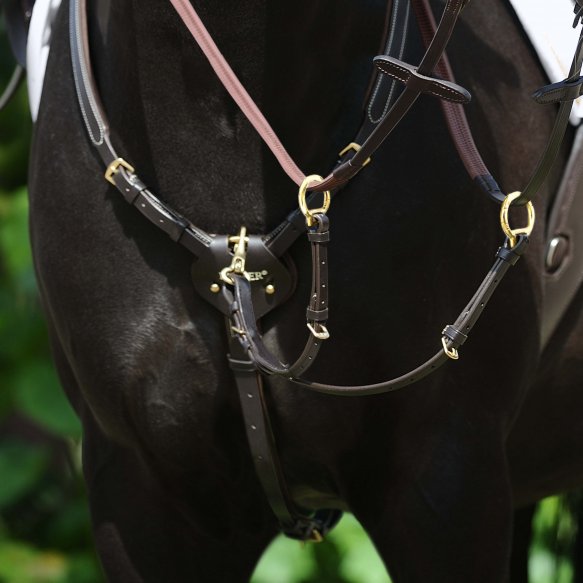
{"x": 508, "y": 231}
{"x": 308, "y": 212}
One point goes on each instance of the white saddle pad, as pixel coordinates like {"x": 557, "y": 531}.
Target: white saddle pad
{"x": 37, "y": 49}
{"x": 548, "y": 25}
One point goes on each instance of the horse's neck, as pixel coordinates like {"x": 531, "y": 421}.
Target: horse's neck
{"x": 305, "y": 63}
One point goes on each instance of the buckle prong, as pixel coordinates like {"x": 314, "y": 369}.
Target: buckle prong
{"x": 356, "y": 147}
{"x": 113, "y": 169}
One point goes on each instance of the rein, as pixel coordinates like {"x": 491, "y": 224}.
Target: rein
{"x": 230, "y": 270}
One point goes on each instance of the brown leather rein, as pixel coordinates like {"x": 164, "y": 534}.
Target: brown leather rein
{"x": 227, "y": 266}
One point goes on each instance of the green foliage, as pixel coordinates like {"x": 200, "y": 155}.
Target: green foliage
{"x": 346, "y": 556}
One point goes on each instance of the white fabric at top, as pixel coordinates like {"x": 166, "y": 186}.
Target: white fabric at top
{"x": 37, "y": 49}
{"x": 548, "y": 25}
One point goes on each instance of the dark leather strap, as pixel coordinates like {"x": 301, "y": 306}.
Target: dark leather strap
{"x": 244, "y": 321}
{"x": 295, "y": 522}
{"x": 123, "y": 177}
{"x": 565, "y": 98}
{"x": 456, "y": 334}
{"x": 349, "y": 168}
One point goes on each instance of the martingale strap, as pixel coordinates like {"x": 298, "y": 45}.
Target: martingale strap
{"x": 249, "y": 355}
{"x": 416, "y": 83}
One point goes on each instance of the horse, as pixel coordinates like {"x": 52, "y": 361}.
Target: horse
{"x": 432, "y": 471}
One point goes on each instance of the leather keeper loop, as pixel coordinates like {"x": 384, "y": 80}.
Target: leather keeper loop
{"x": 317, "y": 315}
{"x": 242, "y": 365}
{"x": 512, "y": 255}
{"x": 319, "y": 237}
{"x": 458, "y": 338}
{"x": 160, "y": 215}
{"x": 567, "y": 90}
{"x": 129, "y": 185}
{"x": 507, "y": 255}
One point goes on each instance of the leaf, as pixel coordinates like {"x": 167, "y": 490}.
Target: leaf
{"x": 14, "y": 240}
{"x": 38, "y": 394}
{"x": 21, "y": 563}
{"x": 21, "y": 467}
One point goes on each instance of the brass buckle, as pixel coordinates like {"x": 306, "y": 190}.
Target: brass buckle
{"x": 450, "y": 352}
{"x": 508, "y": 231}
{"x": 239, "y": 255}
{"x": 113, "y": 169}
{"x": 356, "y": 147}
{"x": 308, "y": 212}
{"x": 322, "y": 335}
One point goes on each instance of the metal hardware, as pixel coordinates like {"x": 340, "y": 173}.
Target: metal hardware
{"x": 270, "y": 289}
{"x": 239, "y": 255}
{"x": 322, "y": 335}
{"x": 215, "y": 288}
{"x": 508, "y": 231}
{"x": 307, "y": 212}
{"x": 315, "y": 537}
{"x": 113, "y": 169}
{"x": 451, "y": 352}
{"x": 356, "y": 147}
{"x": 557, "y": 251}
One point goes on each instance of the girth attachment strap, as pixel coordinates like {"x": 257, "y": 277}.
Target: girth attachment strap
{"x": 295, "y": 522}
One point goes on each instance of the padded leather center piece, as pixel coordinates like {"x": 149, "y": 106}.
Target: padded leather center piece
{"x": 263, "y": 269}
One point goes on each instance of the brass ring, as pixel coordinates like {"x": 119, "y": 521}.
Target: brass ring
{"x": 508, "y": 231}
{"x": 308, "y": 212}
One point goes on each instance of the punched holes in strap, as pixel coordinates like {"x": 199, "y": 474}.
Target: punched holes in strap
{"x": 409, "y": 76}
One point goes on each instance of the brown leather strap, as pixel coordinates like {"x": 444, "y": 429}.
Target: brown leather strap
{"x": 454, "y": 113}
{"x": 295, "y": 522}
{"x": 455, "y": 334}
{"x": 122, "y": 177}
{"x": 352, "y": 166}
{"x": 244, "y": 321}
{"x": 552, "y": 150}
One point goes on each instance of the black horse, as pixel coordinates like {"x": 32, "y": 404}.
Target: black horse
{"x": 434, "y": 471}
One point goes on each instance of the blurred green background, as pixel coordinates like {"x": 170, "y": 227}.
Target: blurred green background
{"x": 44, "y": 522}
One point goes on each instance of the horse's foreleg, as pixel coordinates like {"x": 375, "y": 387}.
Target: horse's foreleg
{"x": 145, "y": 533}
{"x": 448, "y": 522}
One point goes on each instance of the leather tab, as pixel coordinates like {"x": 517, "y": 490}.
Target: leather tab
{"x": 319, "y": 237}
{"x": 317, "y": 315}
{"x": 567, "y": 90}
{"x": 458, "y": 338}
{"x": 415, "y": 81}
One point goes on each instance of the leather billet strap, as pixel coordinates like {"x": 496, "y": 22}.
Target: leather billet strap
{"x": 295, "y": 522}
{"x": 454, "y": 113}
{"x": 122, "y": 176}
{"x": 244, "y": 322}
{"x": 454, "y": 334}
{"x": 564, "y": 94}
{"x": 414, "y": 87}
